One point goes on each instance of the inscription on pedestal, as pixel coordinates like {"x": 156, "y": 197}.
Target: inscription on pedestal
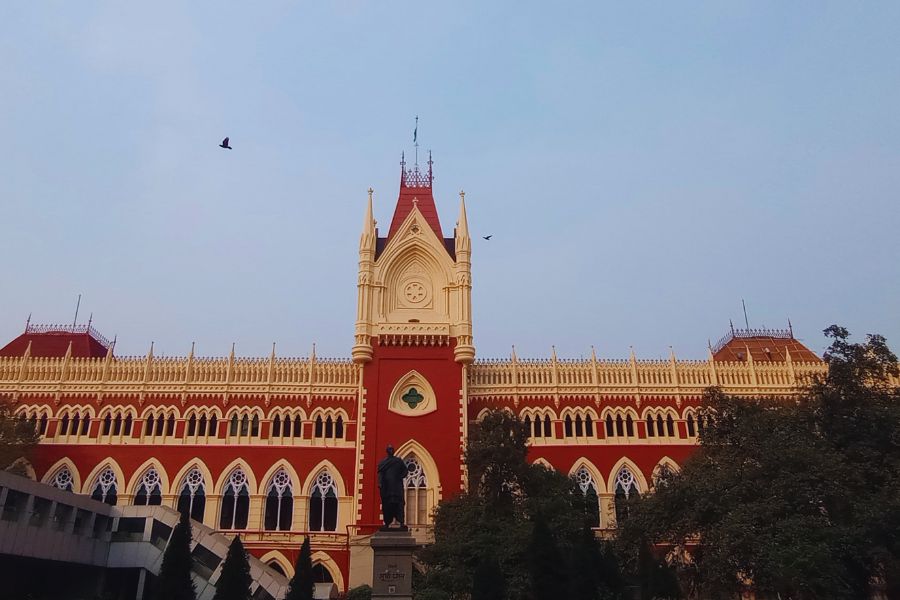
{"x": 392, "y": 566}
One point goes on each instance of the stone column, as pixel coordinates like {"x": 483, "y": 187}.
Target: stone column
{"x": 392, "y": 565}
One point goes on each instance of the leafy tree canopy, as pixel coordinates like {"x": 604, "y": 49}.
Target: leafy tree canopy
{"x": 513, "y": 534}
{"x": 18, "y": 436}
{"x": 799, "y": 496}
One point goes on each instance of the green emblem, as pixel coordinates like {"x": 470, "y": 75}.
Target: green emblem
{"x": 412, "y": 397}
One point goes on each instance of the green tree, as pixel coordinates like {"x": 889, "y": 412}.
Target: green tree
{"x": 489, "y": 537}
{"x": 302, "y": 586}
{"x": 362, "y": 592}
{"x": 798, "y": 498}
{"x": 18, "y": 436}
{"x": 234, "y": 580}
{"x": 174, "y": 581}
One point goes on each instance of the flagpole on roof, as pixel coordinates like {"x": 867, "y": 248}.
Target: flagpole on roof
{"x": 416, "y": 139}
{"x": 77, "y": 306}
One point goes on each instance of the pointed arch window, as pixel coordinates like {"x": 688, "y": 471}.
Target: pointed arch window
{"x": 170, "y": 425}
{"x": 192, "y": 425}
{"x": 323, "y": 504}
{"x": 106, "y": 487}
{"x": 626, "y": 487}
{"x": 276, "y": 426}
{"x": 149, "y": 492}
{"x": 117, "y": 424}
{"x": 254, "y": 426}
{"x": 128, "y": 421}
{"x": 670, "y": 426}
{"x": 609, "y": 426}
{"x": 650, "y": 427}
{"x": 579, "y": 426}
{"x": 43, "y": 424}
{"x": 416, "y": 486}
{"x": 192, "y": 497}
{"x": 76, "y": 420}
{"x": 298, "y": 424}
{"x": 160, "y": 423}
{"x": 629, "y": 426}
{"x": 213, "y": 426}
{"x": 691, "y": 428}
{"x": 85, "y": 424}
{"x": 527, "y": 424}
{"x": 148, "y": 426}
{"x": 620, "y": 426}
{"x": 588, "y": 425}
{"x": 588, "y": 487}
{"x": 64, "y": 425}
{"x": 235, "y": 502}
{"x": 63, "y": 479}
{"x": 339, "y": 428}
{"x": 659, "y": 425}
{"x": 321, "y": 574}
{"x": 279, "y": 502}
{"x": 233, "y": 427}
{"x": 568, "y": 426}
{"x": 107, "y": 424}
{"x": 319, "y": 427}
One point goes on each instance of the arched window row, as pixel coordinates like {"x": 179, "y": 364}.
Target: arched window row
{"x": 329, "y": 426}
{"x": 201, "y": 425}
{"x": 244, "y": 424}
{"x": 159, "y": 423}
{"x": 579, "y": 424}
{"x": 287, "y": 425}
{"x": 116, "y": 422}
{"x": 539, "y": 424}
{"x": 74, "y": 422}
{"x": 620, "y": 424}
{"x": 38, "y": 418}
{"x": 661, "y": 423}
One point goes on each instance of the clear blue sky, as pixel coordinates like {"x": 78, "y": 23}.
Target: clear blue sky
{"x": 642, "y": 167}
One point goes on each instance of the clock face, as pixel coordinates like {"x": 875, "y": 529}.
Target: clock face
{"x": 415, "y": 292}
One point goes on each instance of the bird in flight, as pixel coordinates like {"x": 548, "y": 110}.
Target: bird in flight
{"x": 488, "y": 237}
{"x": 225, "y": 145}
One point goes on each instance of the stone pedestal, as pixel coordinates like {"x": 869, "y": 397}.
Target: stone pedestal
{"x": 392, "y": 566}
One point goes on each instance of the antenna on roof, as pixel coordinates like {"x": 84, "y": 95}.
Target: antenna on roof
{"x": 790, "y": 329}
{"x": 27, "y": 322}
{"x": 746, "y": 321}
{"x": 416, "y": 139}
{"x": 77, "y": 306}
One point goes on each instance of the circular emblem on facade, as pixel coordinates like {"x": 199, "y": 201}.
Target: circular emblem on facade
{"x": 415, "y": 292}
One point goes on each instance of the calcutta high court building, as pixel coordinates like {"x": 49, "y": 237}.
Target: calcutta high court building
{"x": 280, "y": 449}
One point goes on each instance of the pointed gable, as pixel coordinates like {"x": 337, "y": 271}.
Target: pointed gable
{"x": 415, "y": 189}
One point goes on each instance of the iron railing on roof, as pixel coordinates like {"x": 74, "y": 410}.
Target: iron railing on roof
{"x": 780, "y": 334}
{"x": 72, "y": 329}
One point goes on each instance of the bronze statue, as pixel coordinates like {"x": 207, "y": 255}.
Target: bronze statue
{"x": 391, "y": 472}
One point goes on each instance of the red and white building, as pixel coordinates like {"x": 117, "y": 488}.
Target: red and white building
{"x": 278, "y": 449}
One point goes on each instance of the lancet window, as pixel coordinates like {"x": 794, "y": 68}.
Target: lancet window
{"x": 235, "y": 502}
{"x": 323, "y": 504}
{"x": 279, "y": 502}
{"x": 588, "y": 487}
{"x": 63, "y": 479}
{"x": 286, "y": 427}
{"x": 619, "y": 423}
{"x": 149, "y": 492}
{"x": 578, "y": 424}
{"x": 416, "y": 486}
{"x": 158, "y": 424}
{"x": 192, "y": 496}
{"x": 75, "y": 423}
{"x": 626, "y": 487}
{"x": 106, "y": 487}
{"x": 202, "y": 425}
{"x": 244, "y": 425}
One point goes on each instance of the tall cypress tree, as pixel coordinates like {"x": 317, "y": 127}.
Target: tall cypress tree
{"x": 234, "y": 581}
{"x": 302, "y": 585}
{"x": 174, "y": 581}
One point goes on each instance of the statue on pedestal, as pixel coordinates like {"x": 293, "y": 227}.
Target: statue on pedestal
{"x": 391, "y": 472}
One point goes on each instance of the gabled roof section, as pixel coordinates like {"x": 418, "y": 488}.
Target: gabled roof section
{"x": 416, "y": 185}
{"x": 53, "y": 341}
{"x": 763, "y": 344}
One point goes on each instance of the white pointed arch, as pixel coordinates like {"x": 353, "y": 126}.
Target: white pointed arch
{"x": 432, "y": 475}
{"x": 638, "y": 475}
{"x": 277, "y": 557}
{"x": 188, "y": 466}
{"x": 55, "y": 468}
{"x": 590, "y": 467}
{"x": 266, "y": 479}
{"x": 664, "y": 462}
{"x": 110, "y": 463}
{"x": 322, "y": 558}
{"x": 137, "y": 476}
{"x": 225, "y": 477}
{"x": 544, "y": 463}
{"x": 324, "y": 465}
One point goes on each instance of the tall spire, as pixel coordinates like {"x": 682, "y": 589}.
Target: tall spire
{"x": 463, "y": 242}
{"x": 367, "y": 239}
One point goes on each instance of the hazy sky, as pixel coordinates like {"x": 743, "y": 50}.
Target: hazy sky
{"x": 641, "y": 166}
